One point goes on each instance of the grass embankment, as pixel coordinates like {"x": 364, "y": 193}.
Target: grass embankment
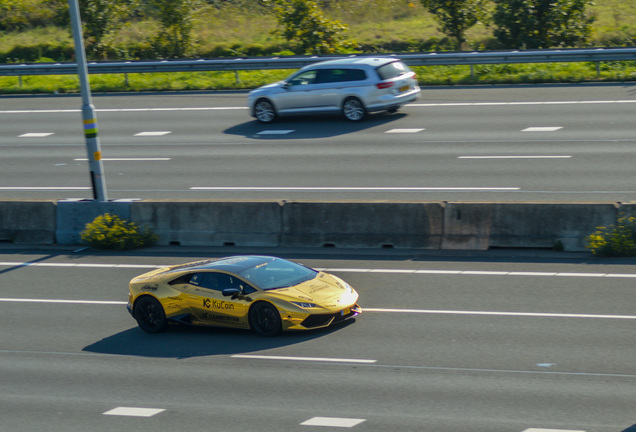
{"x": 378, "y": 25}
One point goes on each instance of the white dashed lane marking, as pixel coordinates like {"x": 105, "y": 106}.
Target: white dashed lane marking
{"x": 542, "y": 129}
{"x": 332, "y": 422}
{"x": 156, "y": 133}
{"x": 404, "y": 131}
{"x": 134, "y": 412}
{"x": 308, "y": 359}
{"x": 35, "y": 135}
{"x": 550, "y": 430}
{"x": 276, "y": 132}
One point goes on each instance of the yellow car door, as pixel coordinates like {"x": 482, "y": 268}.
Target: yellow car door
{"x": 210, "y": 306}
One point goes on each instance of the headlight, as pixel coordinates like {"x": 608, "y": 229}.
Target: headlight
{"x": 304, "y": 305}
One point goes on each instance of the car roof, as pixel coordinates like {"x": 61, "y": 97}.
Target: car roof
{"x": 355, "y": 61}
{"x": 233, "y": 264}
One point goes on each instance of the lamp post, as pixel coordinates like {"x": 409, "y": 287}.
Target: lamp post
{"x": 88, "y": 110}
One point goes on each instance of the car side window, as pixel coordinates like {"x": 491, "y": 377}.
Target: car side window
{"x": 304, "y": 78}
{"x": 340, "y": 75}
{"x": 219, "y": 282}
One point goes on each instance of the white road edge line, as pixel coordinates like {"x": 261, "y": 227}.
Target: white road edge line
{"x": 517, "y": 314}
{"x": 312, "y": 359}
{"x": 344, "y": 188}
{"x": 366, "y": 310}
{"x": 515, "y": 157}
{"x": 27, "y": 300}
{"x": 344, "y": 270}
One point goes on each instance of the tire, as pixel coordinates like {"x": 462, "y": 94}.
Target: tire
{"x": 264, "y": 111}
{"x": 265, "y": 319}
{"x": 150, "y": 315}
{"x": 353, "y": 109}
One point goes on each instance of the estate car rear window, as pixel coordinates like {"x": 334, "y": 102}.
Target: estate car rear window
{"x": 392, "y": 70}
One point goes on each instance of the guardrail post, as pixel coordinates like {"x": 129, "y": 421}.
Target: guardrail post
{"x": 20, "y": 81}
{"x": 598, "y": 69}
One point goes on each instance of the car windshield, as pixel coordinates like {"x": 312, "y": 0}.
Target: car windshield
{"x": 277, "y": 273}
{"x": 393, "y": 70}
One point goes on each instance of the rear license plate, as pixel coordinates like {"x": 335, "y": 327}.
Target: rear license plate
{"x": 346, "y": 311}
{"x": 404, "y": 88}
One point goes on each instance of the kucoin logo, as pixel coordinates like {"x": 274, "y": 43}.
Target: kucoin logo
{"x": 216, "y": 304}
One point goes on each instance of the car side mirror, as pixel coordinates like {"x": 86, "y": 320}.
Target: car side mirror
{"x": 231, "y": 292}
{"x": 287, "y": 85}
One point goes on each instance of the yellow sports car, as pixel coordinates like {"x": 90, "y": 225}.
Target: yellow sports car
{"x": 265, "y": 294}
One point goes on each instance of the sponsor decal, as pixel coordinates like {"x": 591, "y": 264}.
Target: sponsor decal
{"x": 217, "y": 304}
{"x": 209, "y": 316}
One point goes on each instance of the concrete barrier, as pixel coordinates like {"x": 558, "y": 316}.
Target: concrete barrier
{"x": 362, "y": 224}
{"x": 73, "y": 215}
{"x": 211, "y": 223}
{"x": 418, "y": 225}
{"x": 523, "y": 225}
{"x": 27, "y": 221}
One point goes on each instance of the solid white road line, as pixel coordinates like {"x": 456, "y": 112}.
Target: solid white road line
{"x": 345, "y": 270}
{"x": 128, "y": 159}
{"x": 311, "y": 359}
{"x": 515, "y": 314}
{"x": 37, "y": 188}
{"x": 95, "y": 302}
{"x": 515, "y": 157}
{"x": 366, "y": 310}
{"x": 352, "y": 189}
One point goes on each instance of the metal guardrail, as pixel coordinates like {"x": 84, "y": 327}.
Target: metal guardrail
{"x": 262, "y": 63}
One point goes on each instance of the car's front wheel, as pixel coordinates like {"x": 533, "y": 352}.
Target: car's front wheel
{"x": 353, "y": 109}
{"x": 150, "y": 315}
{"x": 264, "y": 111}
{"x": 265, "y": 319}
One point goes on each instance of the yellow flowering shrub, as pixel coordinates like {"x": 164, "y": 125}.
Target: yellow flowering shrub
{"x": 614, "y": 240}
{"x": 111, "y": 232}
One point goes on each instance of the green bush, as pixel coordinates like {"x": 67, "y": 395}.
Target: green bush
{"x": 617, "y": 240}
{"x": 111, "y": 232}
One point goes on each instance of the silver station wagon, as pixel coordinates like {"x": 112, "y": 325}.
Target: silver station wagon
{"x": 352, "y": 87}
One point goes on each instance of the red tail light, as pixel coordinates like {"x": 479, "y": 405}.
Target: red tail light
{"x": 384, "y": 85}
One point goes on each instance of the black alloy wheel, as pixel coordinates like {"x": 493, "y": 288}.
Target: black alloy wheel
{"x": 265, "y": 319}
{"x": 150, "y": 315}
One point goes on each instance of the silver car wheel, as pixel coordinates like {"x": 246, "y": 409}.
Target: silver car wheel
{"x": 264, "y": 111}
{"x": 353, "y": 109}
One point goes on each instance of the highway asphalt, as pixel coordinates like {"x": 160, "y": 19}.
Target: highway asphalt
{"x": 498, "y": 341}
{"x": 483, "y": 143}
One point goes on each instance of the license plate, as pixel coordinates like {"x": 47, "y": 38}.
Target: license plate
{"x": 345, "y": 312}
{"x": 404, "y": 88}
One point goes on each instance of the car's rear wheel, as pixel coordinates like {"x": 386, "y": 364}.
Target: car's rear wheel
{"x": 353, "y": 109}
{"x": 264, "y": 111}
{"x": 150, "y": 315}
{"x": 265, "y": 319}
